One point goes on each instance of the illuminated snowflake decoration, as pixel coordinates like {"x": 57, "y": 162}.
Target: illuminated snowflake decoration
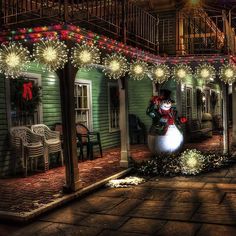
{"x": 14, "y": 59}
{"x": 126, "y": 182}
{"x": 138, "y": 70}
{"x": 191, "y": 162}
{"x": 84, "y": 56}
{"x": 228, "y": 73}
{"x": 180, "y": 72}
{"x": 206, "y": 72}
{"x": 51, "y": 53}
{"x": 161, "y": 73}
{"x": 115, "y": 66}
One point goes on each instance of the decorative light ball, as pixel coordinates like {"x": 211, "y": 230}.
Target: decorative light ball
{"x": 138, "y": 69}
{"x": 53, "y": 54}
{"x": 14, "y": 59}
{"x": 180, "y": 72}
{"x": 49, "y": 54}
{"x": 228, "y": 73}
{"x": 161, "y": 73}
{"x": 85, "y": 56}
{"x": 206, "y": 72}
{"x": 192, "y": 162}
{"x": 115, "y": 66}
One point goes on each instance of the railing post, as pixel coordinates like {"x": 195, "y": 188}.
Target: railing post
{"x": 66, "y": 14}
{"x": 157, "y": 34}
{"x": 124, "y": 17}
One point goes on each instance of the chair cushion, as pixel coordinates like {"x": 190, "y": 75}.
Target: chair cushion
{"x": 36, "y": 144}
{"x": 52, "y": 141}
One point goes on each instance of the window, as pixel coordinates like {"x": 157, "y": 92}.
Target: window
{"x": 82, "y": 103}
{"x": 24, "y": 106}
{"x": 113, "y": 106}
{"x": 189, "y": 92}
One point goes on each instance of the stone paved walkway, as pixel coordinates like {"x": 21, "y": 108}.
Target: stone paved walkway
{"x": 204, "y": 205}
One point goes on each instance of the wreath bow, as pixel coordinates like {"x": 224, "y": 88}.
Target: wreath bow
{"x": 27, "y": 91}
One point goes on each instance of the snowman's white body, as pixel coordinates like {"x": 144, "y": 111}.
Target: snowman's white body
{"x": 170, "y": 142}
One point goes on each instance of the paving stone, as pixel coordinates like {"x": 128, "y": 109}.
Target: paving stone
{"x": 230, "y": 199}
{"x": 215, "y": 213}
{"x": 178, "y": 228}
{"x": 164, "y": 210}
{"x": 141, "y": 225}
{"x": 113, "y": 192}
{"x": 124, "y": 207}
{"x": 66, "y": 229}
{"x": 178, "y": 184}
{"x": 65, "y": 216}
{"x": 104, "y": 221}
{"x": 221, "y": 187}
{"x": 196, "y": 196}
{"x": 31, "y": 229}
{"x": 119, "y": 233}
{"x": 95, "y": 204}
{"x": 216, "y": 230}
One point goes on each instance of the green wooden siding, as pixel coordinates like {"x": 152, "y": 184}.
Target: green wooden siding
{"x": 100, "y": 115}
{"x": 139, "y": 94}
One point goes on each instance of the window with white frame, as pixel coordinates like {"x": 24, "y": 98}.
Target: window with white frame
{"x": 189, "y": 102}
{"x": 82, "y": 93}
{"x": 24, "y": 106}
{"x": 113, "y": 106}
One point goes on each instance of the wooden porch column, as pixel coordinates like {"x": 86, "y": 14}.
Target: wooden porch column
{"x": 67, "y": 78}
{"x": 234, "y": 113}
{"x": 124, "y": 122}
{"x": 225, "y": 119}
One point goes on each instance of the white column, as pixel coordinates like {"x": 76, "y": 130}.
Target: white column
{"x": 124, "y": 123}
{"x": 225, "y": 119}
{"x": 234, "y": 113}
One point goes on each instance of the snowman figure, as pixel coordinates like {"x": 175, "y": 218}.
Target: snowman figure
{"x": 165, "y": 135}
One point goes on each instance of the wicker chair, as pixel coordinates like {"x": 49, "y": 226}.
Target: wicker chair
{"x": 52, "y": 141}
{"x": 27, "y": 146}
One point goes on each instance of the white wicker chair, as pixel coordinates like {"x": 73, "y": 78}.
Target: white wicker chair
{"x": 27, "y": 146}
{"x": 52, "y": 142}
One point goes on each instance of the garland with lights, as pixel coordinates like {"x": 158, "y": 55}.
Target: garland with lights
{"x": 50, "y": 53}
{"x": 180, "y": 72}
{"x": 14, "y": 59}
{"x": 206, "y": 72}
{"x": 25, "y": 95}
{"x": 228, "y": 73}
{"x": 115, "y": 66}
{"x": 138, "y": 70}
{"x": 161, "y": 73}
{"x": 84, "y": 56}
{"x": 190, "y": 162}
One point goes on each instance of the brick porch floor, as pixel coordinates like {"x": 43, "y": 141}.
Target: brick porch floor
{"x": 20, "y": 195}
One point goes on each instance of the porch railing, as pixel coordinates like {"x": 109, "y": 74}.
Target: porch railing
{"x": 115, "y": 18}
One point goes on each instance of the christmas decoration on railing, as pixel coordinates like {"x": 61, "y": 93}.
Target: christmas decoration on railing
{"x": 14, "y": 59}
{"x": 180, "y": 72}
{"x": 206, "y": 72}
{"x": 138, "y": 70}
{"x": 191, "y": 162}
{"x": 161, "y": 73}
{"x": 50, "y": 53}
{"x": 115, "y": 66}
{"x": 84, "y": 56}
{"x": 126, "y": 182}
{"x": 228, "y": 73}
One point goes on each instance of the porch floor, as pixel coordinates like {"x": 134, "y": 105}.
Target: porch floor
{"x": 23, "y": 195}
